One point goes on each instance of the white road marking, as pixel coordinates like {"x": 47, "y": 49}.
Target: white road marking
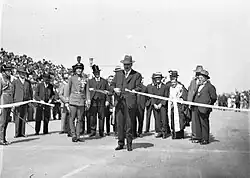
{"x": 75, "y": 171}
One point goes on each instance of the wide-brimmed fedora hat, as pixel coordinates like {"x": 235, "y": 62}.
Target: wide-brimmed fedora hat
{"x": 127, "y": 60}
{"x": 157, "y": 75}
{"x": 199, "y": 68}
{"x": 204, "y": 73}
{"x": 95, "y": 68}
{"x": 117, "y": 68}
{"x": 173, "y": 73}
{"x": 21, "y": 70}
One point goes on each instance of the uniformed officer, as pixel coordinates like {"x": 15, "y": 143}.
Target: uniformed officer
{"x": 78, "y": 95}
{"x": 6, "y": 97}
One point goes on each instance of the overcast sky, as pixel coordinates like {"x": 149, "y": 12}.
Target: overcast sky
{"x": 159, "y": 34}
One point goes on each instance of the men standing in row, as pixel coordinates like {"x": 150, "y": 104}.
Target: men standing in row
{"x": 126, "y": 101}
{"x": 6, "y": 97}
{"x": 160, "y": 111}
{"x": 44, "y": 93}
{"x": 22, "y": 91}
{"x": 98, "y": 101}
{"x": 205, "y": 94}
{"x": 78, "y": 95}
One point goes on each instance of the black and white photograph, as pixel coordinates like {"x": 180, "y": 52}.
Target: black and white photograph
{"x": 124, "y": 88}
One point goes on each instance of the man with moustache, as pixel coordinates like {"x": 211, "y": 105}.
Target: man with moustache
{"x": 79, "y": 98}
{"x": 126, "y": 101}
{"x": 98, "y": 101}
{"x": 159, "y": 107}
{"x": 205, "y": 94}
{"x": 22, "y": 91}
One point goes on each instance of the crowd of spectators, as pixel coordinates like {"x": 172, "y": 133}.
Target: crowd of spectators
{"x": 35, "y": 70}
{"x": 235, "y": 100}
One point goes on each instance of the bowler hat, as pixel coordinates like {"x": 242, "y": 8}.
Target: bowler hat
{"x": 173, "y": 73}
{"x": 157, "y": 75}
{"x": 95, "y": 68}
{"x": 199, "y": 68}
{"x": 117, "y": 68}
{"x": 21, "y": 69}
{"x": 127, "y": 60}
{"x": 205, "y": 73}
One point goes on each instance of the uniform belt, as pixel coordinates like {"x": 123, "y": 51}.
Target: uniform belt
{"x": 77, "y": 92}
{"x": 6, "y": 93}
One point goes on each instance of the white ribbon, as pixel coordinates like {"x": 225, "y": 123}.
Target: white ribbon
{"x": 23, "y": 103}
{"x": 187, "y": 102}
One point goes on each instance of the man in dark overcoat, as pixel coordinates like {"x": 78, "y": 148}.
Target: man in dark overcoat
{"x": 126, "y": 101}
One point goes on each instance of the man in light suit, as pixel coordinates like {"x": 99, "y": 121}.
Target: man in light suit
{"x": 63, "y": 90}
{"x": 98, "y": 101}
{"x": 22, "y": 91}
{"x": 126, "y": 101}
{"x": 205, "y": 94}
{"x": 6, "y": 97}
{"x": 44, "y": 92}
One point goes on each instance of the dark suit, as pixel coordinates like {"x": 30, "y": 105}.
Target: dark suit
{"x": 149, "y": 107}
{"x": 140, "y": 110}
{"x": 161, "y": 119}
{"x": 21, "y": 92}
{"x": 97, "y": 104}
{"x": 57, "y": 107}
{"x": 126, "y": 103}
{"x": 207, "y": 95}
{"x": 43, "y": 111}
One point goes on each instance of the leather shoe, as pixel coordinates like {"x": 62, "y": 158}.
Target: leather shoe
{"x": 74, "y": 139}
{"x": 129, "y": 147}
{"x": 101, "y": 134}
{"x": 204, "y": 142}
{"x": 92, "y": 134}
{"x": 164, "y": 136}
{"x": 119, "y": 147}
{"x": 159, "y": 135}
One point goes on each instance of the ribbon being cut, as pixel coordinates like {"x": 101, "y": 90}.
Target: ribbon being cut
{"x": 23, "y": 103}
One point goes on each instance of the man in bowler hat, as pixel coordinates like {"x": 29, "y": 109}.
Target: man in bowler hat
{"x": 44, "y": 92}
{"x": 126, "y": 101}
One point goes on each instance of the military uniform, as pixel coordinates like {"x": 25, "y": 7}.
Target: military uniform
{"x": 78, "y": 94}
{"x": 6, "y": 97}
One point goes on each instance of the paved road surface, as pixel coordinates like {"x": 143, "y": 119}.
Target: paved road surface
{"x": 55, "y": 156}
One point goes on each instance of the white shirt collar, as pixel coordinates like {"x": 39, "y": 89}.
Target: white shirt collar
{"x": 98, "y": 79}
{"x": 22, "y": 80}
{"x": 127, "y": 73}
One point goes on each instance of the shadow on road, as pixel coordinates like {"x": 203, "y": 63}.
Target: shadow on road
{"x": 25, "y": 140}
{"x": 142, "y": 145}
{"x": 212, "y": 138}
{"x": 147, "y": 134}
